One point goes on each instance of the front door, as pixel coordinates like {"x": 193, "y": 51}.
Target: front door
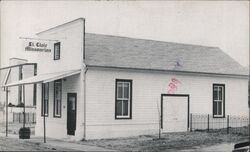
{"x": 71, "y": 114}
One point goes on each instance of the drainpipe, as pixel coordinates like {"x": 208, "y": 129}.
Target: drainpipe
{"x": 85, "y": 102}
{"x": 83, "y": 78}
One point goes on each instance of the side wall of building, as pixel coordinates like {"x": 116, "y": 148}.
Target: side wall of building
{"x": 146, "y": 96}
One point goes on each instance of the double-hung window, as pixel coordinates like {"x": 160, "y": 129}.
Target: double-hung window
{"x": 57, "y": 98}
{"x": 123, "y": 102}
{"x": 57, "y": 50}
{"x": 45, "y": 99}
{"x": 219, "y": 100}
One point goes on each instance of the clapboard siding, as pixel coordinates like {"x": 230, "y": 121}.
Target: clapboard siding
{"x": 147, "y": 90}
{"x": 70, "y": 38}
{"x": 57, "y": 127}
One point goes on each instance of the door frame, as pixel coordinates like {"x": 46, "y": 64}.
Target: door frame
{"x": 175, "y": 95}
{"x": 68, "y": 95}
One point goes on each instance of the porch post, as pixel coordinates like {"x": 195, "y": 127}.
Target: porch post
{"x": 43, "y": 112}
{"x": 24, "y": 114}
{"x": 7, "y": 111}
{"x": 44, "y": 126}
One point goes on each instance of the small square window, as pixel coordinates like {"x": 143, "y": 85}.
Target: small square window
{"x": 57, "y": 50}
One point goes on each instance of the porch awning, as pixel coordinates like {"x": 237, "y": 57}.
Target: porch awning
{"x": 43, "y": 78}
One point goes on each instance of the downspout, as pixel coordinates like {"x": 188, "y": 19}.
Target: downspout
{"x": 83, "y": 79}
{"x": 85, "y": 102}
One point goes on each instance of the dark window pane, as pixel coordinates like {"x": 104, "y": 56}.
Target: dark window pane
{"x": 125, "y": 107}
{"x": 126, "y": 90}
{"x": 46, "y": 91}
{"x": 57, "y": 94}
{"x": 57, "y": 51}
{"x": 220, "y": 93}
{"x": 46, "y": 107}
{"x": 59, "y": 107}
{"x": 219, "y": 108}
{"x": 215, "y": 94}
{"x": 19, "y": 94}
{"x": 119, "y": 90}
{"x": 119, "y": 107}
{"x": 215, "y": 108}
{"x": 56, "y": 109}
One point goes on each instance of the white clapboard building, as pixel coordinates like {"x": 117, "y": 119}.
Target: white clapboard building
{"x": 98, "y": 86}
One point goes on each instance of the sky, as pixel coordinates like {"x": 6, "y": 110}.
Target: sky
{"x": 224, "y": 24}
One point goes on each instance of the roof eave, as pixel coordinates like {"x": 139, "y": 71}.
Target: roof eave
{"x": 172, "y": 71}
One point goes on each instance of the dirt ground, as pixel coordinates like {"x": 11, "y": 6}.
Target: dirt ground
{"x": 12, "y": 144}
{"x": 13, "y": 128}
{"x": 168, "y": 141}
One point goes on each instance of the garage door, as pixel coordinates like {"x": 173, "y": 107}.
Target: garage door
{"x": 175, "y": 113}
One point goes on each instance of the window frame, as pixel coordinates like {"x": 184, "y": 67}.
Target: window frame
{"x": 43, "y": 100}
{"x": 54, "y": 109}
{"x": 59, "y": 45}
{"x": 223, "y": 100}
{"x": 130, "y": 99}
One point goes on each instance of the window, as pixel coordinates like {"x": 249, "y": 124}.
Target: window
{"x": 34, "y": 95}
{"x": 218, "y": 100}
{"x": 45, "y": 99}
{"x": 57, "y": 98}
{"x": 20, "y": 94}
{"x": 20, "y": 77}
{"x": 57, "y": 50}
{"x": 123, "y": 101}
{"x": 249, "y": 93}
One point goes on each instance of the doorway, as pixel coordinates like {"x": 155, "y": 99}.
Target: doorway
{"x": 71, "y": 113}
{"x": 174, "y": 112}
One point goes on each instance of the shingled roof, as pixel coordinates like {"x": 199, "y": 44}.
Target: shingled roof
{"x": 123, "y": 52}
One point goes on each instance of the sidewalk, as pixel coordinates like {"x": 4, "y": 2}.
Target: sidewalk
{"x": 56, "y": 143}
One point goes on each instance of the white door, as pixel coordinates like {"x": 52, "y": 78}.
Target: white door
{"x": 175, "y": 113}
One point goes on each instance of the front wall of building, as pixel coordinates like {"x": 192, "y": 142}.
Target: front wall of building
{"x": 146, "y": 96}
{"x": 70, "y": 37}
{"x": 71, "y": 40}
{"x": 57, "y": 127}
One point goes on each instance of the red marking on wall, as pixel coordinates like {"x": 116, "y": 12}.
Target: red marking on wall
{"x": 173, "y": 85}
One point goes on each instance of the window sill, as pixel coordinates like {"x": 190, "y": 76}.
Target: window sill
{"x": 215, "y": 116}
{"x": 122, "y": 117}
{"x": 55, "y": 116}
